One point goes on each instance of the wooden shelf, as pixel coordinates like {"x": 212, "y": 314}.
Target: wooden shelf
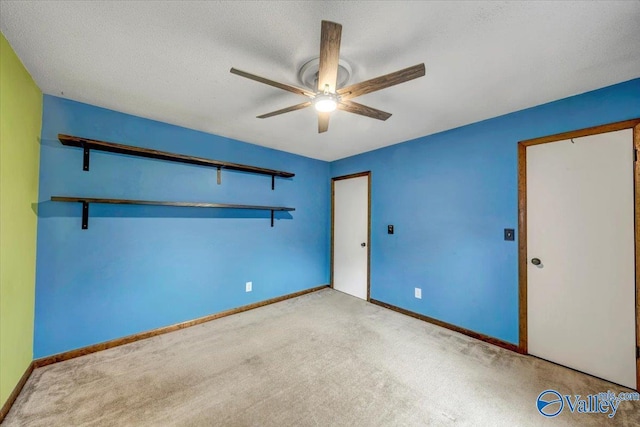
{"x": 92, "y": 144}
{"x": 87, "y": 200}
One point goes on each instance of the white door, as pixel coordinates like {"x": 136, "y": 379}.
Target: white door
{"x": 351, "y": 235}
{"x": 580, "y": 226}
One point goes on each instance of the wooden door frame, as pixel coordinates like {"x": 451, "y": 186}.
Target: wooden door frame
{"x": 333, "y": 181}
{"x": 522, "y": 220}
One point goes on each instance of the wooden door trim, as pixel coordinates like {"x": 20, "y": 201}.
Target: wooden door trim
{"x": 636, "y": 190}
{"x": 594, "y": 130}
{"x": 340, "y": 178}
{"x": 522, "y": 220}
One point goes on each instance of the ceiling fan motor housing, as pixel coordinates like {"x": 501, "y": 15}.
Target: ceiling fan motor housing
{"x": 308, "y": 74}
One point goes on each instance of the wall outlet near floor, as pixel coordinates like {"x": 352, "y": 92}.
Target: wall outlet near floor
{"x": 248, "y": 287}
{"x": 418, "y": 293}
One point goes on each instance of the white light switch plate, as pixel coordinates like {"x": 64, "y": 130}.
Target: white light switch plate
{"x": 418, "y": 293}
{"x": 248, "y": 286}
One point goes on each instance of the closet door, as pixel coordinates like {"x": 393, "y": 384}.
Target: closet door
{"x": 581, "y": 302}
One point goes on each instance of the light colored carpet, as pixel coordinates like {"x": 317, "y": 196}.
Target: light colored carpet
{"x": 323, "y": 359}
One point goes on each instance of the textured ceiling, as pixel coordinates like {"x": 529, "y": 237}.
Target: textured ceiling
{"x": 170, "y": 61}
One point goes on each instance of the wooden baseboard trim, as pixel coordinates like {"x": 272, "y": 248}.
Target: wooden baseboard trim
{"x": 468, "y": 332}
{"x": 16, "y": 392}
{"x": 44, "y": 361}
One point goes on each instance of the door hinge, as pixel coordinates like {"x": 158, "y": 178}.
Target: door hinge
{"x": 637, "y": 352}
{"x": 635, "y": 154}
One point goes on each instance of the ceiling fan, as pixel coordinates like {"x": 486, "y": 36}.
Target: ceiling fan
{"x": 327, "y": 96}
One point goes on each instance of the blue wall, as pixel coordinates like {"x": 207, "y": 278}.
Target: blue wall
{"x": 142, "y": 267}
{"x": 450, "y": 195}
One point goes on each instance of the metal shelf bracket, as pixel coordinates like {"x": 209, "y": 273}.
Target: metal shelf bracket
{"x": 85, "y": 158}
{"x": 85, "y": 214}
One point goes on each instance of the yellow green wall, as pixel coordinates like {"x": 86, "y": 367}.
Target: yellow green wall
{"x": 20, "y": 123}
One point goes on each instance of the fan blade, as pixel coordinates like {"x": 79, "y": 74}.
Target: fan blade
{"x": 381, "y": 82}
{"x": 323, "y": 122}
{"x": 286, "y": 110}
{"x": 282, "y": 86}
{"x": 363, "y": 110}
{"x": 329, "y": 55}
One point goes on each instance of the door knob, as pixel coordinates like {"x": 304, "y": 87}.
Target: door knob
{"x": 363, "y": 244}
{"x": 536, "y": 261}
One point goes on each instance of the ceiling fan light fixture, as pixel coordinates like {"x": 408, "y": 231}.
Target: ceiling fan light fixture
{"x": 325, "y": 103}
